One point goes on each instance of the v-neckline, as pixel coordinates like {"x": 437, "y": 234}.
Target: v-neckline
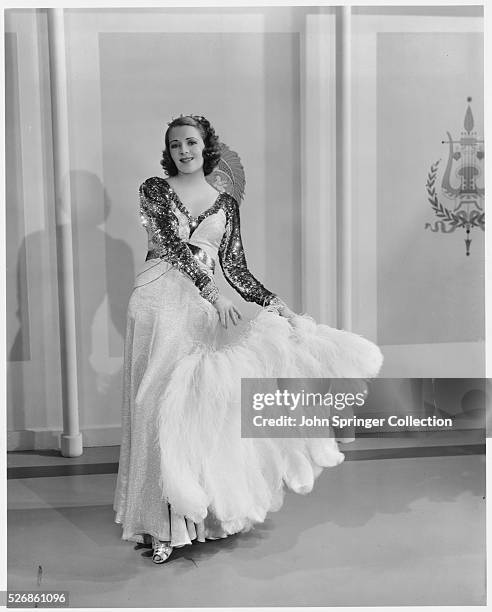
{"x": 194, "y": 221}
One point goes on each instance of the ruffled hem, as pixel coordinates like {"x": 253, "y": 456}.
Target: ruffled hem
{"x": 179, "y": 531}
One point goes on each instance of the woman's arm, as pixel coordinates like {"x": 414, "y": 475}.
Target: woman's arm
{"x": 233, "y": 261}
{"x": 162, "y": 227}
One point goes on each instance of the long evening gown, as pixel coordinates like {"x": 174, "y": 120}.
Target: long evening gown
{"x": 185, "y": 473}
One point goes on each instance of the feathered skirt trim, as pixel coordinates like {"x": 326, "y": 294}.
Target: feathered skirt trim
{"x": 205, "y": 464}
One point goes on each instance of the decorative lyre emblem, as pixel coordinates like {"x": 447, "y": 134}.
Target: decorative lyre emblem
{"x": 459, "y": 183}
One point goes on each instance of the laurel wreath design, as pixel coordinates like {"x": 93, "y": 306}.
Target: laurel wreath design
{"x": 461, "y": 219}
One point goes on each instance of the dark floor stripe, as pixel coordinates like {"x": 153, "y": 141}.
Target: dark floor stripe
{"x": 413, "y": 452}
{"x": 80, "y": 469}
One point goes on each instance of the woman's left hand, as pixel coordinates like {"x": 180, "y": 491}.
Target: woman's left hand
{"x": 287, "y": 312}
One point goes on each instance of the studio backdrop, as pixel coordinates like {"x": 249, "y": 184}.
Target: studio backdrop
{"x": 348, "y": 127}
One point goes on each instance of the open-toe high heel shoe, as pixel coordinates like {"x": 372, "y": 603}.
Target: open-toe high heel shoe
{"x": 162, "y": 551}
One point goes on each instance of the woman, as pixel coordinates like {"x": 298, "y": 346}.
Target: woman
{"x": 185, "y": 473}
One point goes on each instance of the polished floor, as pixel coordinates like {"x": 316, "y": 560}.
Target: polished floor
{"x": 397, "y": 528}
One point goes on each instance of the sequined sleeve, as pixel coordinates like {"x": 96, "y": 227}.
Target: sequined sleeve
{"x": 162, "y": 226}
{"x": 233, "y": 260}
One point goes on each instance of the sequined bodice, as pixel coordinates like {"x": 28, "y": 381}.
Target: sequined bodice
{"x": 174, "y": 235}
{"x": 207, "y": 235}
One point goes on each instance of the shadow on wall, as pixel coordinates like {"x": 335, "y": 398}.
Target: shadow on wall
{"x": 25, "y": 344}
{"x": 103, "y": 276}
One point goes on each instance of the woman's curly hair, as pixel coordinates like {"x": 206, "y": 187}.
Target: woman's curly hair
{"x": 211, "y": 151}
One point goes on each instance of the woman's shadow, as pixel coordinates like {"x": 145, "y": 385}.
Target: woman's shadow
{"x": 103, "y": 278}
{"x": 105, "y": 271}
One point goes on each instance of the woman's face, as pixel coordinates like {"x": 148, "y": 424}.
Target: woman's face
{"x": 186, "y": 148}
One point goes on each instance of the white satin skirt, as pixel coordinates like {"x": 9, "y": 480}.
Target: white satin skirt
{"x": 185, "y": 473}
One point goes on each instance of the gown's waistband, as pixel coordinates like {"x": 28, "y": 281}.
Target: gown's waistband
{"x": 199, "y": 254}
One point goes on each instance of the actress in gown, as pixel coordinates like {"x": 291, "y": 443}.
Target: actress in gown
{"x": 185, "y": 473}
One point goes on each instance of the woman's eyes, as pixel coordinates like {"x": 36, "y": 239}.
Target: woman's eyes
{"x": 175, "y": 145}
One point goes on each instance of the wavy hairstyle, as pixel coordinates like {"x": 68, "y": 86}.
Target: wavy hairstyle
{"x": 211, "y": 151}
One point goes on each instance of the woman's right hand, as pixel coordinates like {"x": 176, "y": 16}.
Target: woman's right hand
{"x": 226, "y": 310}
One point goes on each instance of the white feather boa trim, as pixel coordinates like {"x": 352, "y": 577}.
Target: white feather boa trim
{"x": 205, "y": 464}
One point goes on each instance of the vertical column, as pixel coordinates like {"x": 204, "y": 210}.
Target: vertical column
{"x": 488, "y": 241}
{"x": 345, "y": 205}
{"x": 318, "y": 158}
{"x": 71, "y": 439}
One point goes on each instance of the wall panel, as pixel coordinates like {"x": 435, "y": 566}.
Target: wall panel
{"x": 414, "y": 291}
{"x": 131, "y": 72}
